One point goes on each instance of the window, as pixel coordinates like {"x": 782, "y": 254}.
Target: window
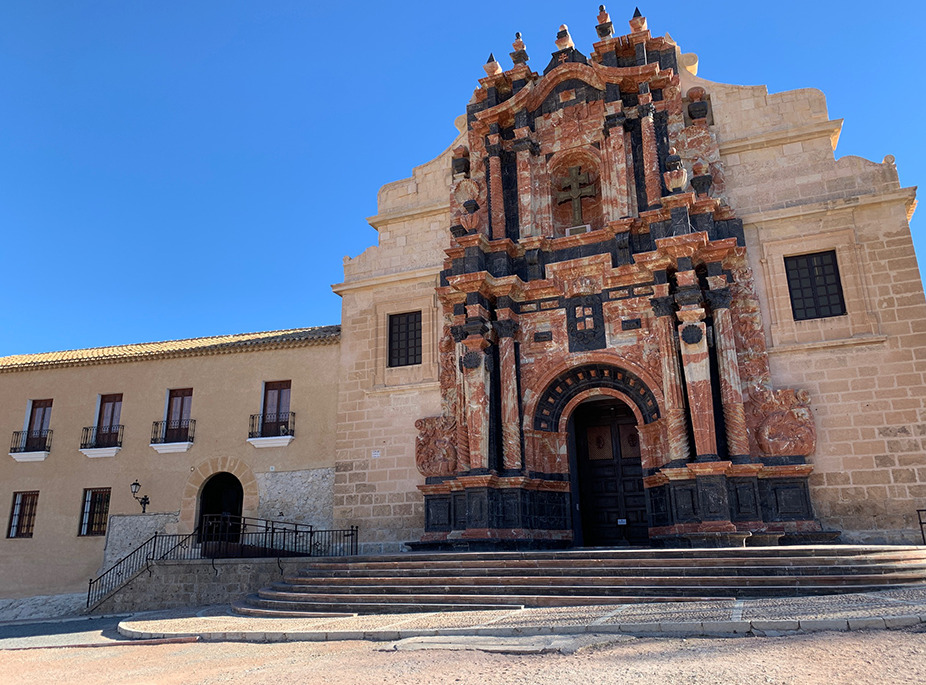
{"x": 37, "y": 429}
{"x": 405, "y": 339}
{"x": 178, "y": 415}
{"x": 814, "y": 286}
{"x": 94, "y": 512}
{"x": 276, "y": 416}
{"x": 22, "y": 515}
{"x": 107, "y": 424}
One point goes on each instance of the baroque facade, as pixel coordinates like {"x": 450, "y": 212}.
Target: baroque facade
{"x": 626, "y": 305}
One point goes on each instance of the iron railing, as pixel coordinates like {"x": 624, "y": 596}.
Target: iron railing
{"x": 31, "y": 441}
{"x": 93, "y": 437}
{"x": 921, "y": 514}
{"x": 173, "y": 431}
{"x": 159, "y": 546}
{"x": 272, "y": 425}
{"x": 226, "y": 537}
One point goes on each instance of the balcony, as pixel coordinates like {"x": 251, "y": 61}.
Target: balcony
{"x": 172, "y": 436}
{"x": 30, "y": 445}
{"x": 101, "y": 441}
{"x": 272, "y": 430}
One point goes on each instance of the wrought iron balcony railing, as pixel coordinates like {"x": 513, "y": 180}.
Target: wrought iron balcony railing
{"x": 272, "y": 425}
{"x": 172, "y": 431}
{"x": 30, "y": 441}
{"x": 94, "y": 437}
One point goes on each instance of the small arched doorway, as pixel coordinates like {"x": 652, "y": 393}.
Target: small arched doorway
{"x": 222, "y": 495}
{"x": 606, "y": 475}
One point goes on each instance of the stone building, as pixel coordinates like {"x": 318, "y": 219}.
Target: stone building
{"x": 626, "y": 305}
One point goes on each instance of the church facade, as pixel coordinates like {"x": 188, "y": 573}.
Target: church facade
{"x": 626, "y": 305}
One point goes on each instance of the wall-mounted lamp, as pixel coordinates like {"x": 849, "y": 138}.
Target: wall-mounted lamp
{"x": 143, "y": 501}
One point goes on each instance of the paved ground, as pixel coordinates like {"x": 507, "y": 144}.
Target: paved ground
{"x": 824, "y": 658}
{"x": 893, "y": 609}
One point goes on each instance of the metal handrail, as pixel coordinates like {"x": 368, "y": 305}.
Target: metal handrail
{"x": 29, "y": 441}
{"x": 921, "y": 514}
{"x": 93, "y": 437}
{"x": 177, "y": 430}
{"x": 226, "y": 537}
{"x": 280, "y": 424}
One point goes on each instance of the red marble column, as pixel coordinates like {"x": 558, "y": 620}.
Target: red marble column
{"x": 674, "y": 399}
{"x": 522, "y": 146}
{"x": 477, "y": 400}
{"x": 511, "y": 413}
{"x": 696, "y": 364}
{"x": 731, "y": 389}
{"x": 497, "y": 202}
{"x": 650, "y": 152}
{"x": 614, "y": 186}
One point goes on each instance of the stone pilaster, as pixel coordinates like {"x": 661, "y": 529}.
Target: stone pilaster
{"x": 525, "y": 148}
{"x": 731, "y": 390}
{"x": 496, "y": 189}
{"x": 650, "y": 154}
{"x": 511, "y": 413}
{"x": 614, "y": 180}
{"x": 676, "y": 423}
{"x": 477, "y": 400}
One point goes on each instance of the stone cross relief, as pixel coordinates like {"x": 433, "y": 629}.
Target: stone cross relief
{"x": 573, "y": 189}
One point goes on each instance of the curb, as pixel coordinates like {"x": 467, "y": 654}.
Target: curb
{"x": 759, "y": 627}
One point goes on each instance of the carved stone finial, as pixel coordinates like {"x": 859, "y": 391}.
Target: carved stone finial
{"x": 638, "y": 21}
{"x": 519, "y": 56}
{"x": 492, "y": 67}
{"x": 701, "y": 181}
{"x": 676, "y": 176}
{"x": 697, "y": 108}
{"x": 563, "y": 39}
{"x": 605, "y": 28}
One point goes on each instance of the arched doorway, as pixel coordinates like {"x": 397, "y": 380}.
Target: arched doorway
{"x": 606, "y": 475}
{"x": 222, "y": 495}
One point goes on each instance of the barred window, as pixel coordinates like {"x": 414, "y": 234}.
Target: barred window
{"x": 94, "y": 512}
{"x": 814, "y": 286}
{"x": 22, "y": 515}
{"x": 405, "y": 339}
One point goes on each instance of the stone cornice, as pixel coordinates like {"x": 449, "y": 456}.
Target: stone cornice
{"x": 823, "y": 129}
{"x": 904, "y": 195}
{"x": 403, "y": 214}
{"x": 385, "y": 279}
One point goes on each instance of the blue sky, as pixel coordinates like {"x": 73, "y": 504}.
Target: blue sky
{"x": 182, "y": 169}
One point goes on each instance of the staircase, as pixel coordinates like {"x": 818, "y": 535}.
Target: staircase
{"x": 506, "y": 580}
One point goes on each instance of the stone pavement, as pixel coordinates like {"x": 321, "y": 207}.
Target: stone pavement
{"x": 875, "y": 610}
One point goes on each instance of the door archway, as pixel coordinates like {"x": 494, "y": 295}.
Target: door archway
{"x": 221, "y": 495}
{"x": 606, "y": 475}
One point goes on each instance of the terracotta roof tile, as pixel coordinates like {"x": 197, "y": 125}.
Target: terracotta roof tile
{"x": 219, "y": 344}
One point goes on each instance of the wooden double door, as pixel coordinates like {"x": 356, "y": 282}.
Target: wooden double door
{"x": 608, "y": 476}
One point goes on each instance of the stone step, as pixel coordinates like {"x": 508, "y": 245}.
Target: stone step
{"x": 611, "y": 561}
{"x": 795, "y": 551}
{"x": 488, "y": 574}
{"x": 547, "y": 584}
{"x": 253, "y": 605}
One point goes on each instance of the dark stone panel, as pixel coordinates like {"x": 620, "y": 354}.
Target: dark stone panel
{"x": 609, "y": 59}
{"x": 585, "y": 323}
{"x": 661, "y": 126}
{"x": 499, "y": 262}
{"x": 640, "y": 53}
{"x": 567, "y": 55}
{"x": 437, "y": 513}
{"x": 510, "y": 194}
{"x": 543, "y": 336}
{"x": 473, "y": 260}
{"x": 639, "y": 173}
{"x": 612, "y": 91}
{"x": 477, "y": 298}
{"x": 458, "y": 500}
{"x": 626, "y": 60}
{"x": 477, "y": 508}
{"x": 584, "y": 92}
{"x": 703, "y": 222}
{"x": 785, "y": 499}
{"x": 621, "y": 254}
{"x": 729, "y": 228}
{"x": 684, "y": 499}
{"x": 459, "y": 309}
{"x": 712, "y": 498}
{"x": 680, "y": 224}
{"x": 630, "y": 100}
{"x": 657, "y": 501}
{"x": 642, "y": 242}
{"x": 631, "y": 324}
{"x": 743, "y": 494}
{"x": 668, "y": 59}
{"x": 512, "y": 508}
